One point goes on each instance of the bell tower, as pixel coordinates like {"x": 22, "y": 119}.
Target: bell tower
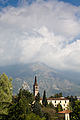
{"x": 35, "y": 87}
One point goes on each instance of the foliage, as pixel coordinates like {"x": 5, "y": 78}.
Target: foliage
{"x": 50, "y": 105}
{"x": 69, "y": 106}
{"x": 37, "y": 98}
{"x": 5, "y": 93}
{"x": 37, "y": 109}
{"x": 76, "y": 111}
{"x": 25, "y": 93}
{"x": 57, "y": 95}
{"x": 49, "y": 113}
{"x": 59, "y": 107}
{"x": 32, "y": 116}
{"x": 5, "y": 88}
{"x": 72, "y": 100}
{"x": 22, "y": 106}
{"x": 18, "y": 110}
{"x": 44, "y": 101}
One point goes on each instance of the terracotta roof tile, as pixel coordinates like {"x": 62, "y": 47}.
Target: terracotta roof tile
{"x": 65, "y": 111}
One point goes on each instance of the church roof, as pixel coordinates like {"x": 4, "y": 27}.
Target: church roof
{"x": 60, "y": 98}
{"x": 65, "y": 111}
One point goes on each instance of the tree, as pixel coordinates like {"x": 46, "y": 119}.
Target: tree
{"x": 37, "y": 106}
{"x": 5, "y": 93}
{"x": 58, "y": 95}
{"x": 59, "y": 107}
{"x": 50, "y": 105}
{"x": 32, "y": 116}
{"x": 19, "y": 110}
{"x": 37, "y": 98}
{"x": 5, "y": 88}
{"x": 72, "y": 101}
{"x": 21, "y": 107}
{"x": 37, "y": 109}
{"x": 25, "y": 93}
{"x": 49, "y": 113}
{"x": 44, "y": 101}
{"x": 76, "y": 111}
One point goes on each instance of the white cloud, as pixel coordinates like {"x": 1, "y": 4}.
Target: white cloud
{"x": 42, "y": 31}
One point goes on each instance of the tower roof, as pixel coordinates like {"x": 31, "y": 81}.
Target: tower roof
{"x": 35, "y": 83}
{"x": 65, "y": 111}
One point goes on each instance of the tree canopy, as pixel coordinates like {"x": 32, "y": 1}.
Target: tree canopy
{"x": 76, "y": 111}
{"x": 44, "y": 100}
{"x": 5, "y": 88}
{"x": 5, "y": 93}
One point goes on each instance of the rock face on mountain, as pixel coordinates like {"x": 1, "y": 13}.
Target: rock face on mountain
{"x": 48, "y": 79}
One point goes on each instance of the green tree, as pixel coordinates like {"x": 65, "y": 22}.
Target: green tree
{"x": 25, "y": 93}
{"x": 72, "y": 100}
{"x": 57, "y": 95}
{"x": 19, "y": 110}
{"x": 44, "y": 101}
{"x": 59, "y": 107}
{"x": 21, "y": 107}
{"x": 49, "y": 113}
{"x": 32, "y": 116}
{"x": 76, "y": 111}
{"x": 50, "y": 105}
{"x": 37, "y": 109}
{"x": 37, "y": 98}
{"x": 5, "y": 93}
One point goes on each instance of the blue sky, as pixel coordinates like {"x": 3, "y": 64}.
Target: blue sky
{"x": 4, "y": 3}
{"x": 74, "y": 2}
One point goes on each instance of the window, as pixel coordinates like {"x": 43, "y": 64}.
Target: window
{"x": 36, "y": 87}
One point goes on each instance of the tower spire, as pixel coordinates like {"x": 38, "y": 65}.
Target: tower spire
{"x": 35, "y": 87}
{"x": 35, "y": 83}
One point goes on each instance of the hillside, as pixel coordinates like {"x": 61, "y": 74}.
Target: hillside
{"x": 49, "y": 79}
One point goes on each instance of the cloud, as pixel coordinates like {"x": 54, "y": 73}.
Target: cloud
{"x": 42, "y": 31}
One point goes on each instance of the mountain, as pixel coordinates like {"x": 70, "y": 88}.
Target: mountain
{"x": 49, "y": 79}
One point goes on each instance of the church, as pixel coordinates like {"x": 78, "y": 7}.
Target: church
{"x": 55, "y": 101}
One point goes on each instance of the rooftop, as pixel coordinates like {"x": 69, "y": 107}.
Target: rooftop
{"x": 60, "y": 98}
{"x": 65, "y": 111}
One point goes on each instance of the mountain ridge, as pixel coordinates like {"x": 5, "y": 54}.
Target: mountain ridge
{"x": 49, "y": 79}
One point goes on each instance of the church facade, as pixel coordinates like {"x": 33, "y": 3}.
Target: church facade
{"x": 55, "y": 101}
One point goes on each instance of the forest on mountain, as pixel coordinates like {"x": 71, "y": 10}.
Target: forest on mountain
{"x": 24, "y": 106}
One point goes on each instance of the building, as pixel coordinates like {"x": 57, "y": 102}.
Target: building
{"x": 66, "y": 113}
{"x": 35, "y": 87}
{"x": 55, "y": 101}
{"x": 78, "y": 98}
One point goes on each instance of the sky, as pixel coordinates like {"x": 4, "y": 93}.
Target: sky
{"x": 4, "y": 3}
{"x": 40, "y": 31}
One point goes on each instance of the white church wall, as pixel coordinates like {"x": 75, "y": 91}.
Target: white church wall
{"x": 64, "y": 103}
